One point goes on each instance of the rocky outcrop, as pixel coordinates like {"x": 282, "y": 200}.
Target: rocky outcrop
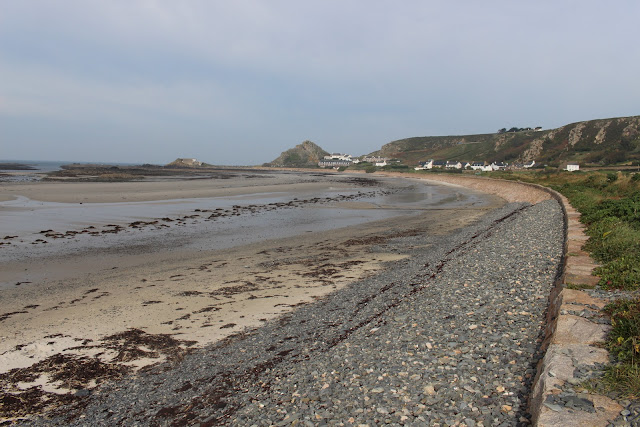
{"x": 306, "y": 154}
{"x": 185, "y": 163}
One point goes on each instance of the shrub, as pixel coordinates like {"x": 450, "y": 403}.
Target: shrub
{"x": 624, "y": 338}
{"x": 595, "y": 181}
{"x": 611, "y": 238}
{"x": 621, "y": 273}
{"x": 626, "y": 209}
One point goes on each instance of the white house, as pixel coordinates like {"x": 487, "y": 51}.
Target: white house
{"x": 425, "y": 165}
{"x": 453, "y": 165}
{"x": 382, "y": 163}
{"x": 498, "y": 166}
{"x": 338, "y": 156}
{"x": 572, "y": 167}
{"x": 439, "y": 164}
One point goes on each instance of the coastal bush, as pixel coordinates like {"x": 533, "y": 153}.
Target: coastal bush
{"x": 395, "y": 167}
{"x": 626, "y": 209}
{"x": 621, "y": 273}
{"x": 595, "y": 181}
{"x": 624, "y": 338}
{"x": 612, "y": 238}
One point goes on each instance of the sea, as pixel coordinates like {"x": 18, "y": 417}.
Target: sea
{"x": 40, "y": 168}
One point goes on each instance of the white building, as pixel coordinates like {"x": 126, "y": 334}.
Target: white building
{"x": 374, "y": 159}
{"x": 334, "y": 163}
{"x": 498, "y": 166}
{"x": 424, "y": 165}
{"x": 572, "y": 167}
{"x": 338, "y": 156}
{"x": 477, "y": 166}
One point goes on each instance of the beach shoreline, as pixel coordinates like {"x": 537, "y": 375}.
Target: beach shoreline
{"x": 193, "y": 297}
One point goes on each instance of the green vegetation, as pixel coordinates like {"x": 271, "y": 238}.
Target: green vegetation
{"x": 361, "y": 166}
{"x": 624, "y": 342}
{"x": 395, "y": 167}
{"x": 517, "y": 129}
{"x": 610, "y": 207}
{"x": 624, "y": 345}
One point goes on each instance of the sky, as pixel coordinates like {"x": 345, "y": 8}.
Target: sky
{"x": 238, "y": 82}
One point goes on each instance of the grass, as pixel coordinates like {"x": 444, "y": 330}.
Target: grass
{"x": 624, "y": 379}
{"x": 624, "y": 345}
{"x": 624, "y": 340}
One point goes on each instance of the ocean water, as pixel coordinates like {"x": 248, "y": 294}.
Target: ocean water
{"x": 41, "y": 167}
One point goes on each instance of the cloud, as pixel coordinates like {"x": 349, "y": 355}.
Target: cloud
{"x": 272, "y": 73}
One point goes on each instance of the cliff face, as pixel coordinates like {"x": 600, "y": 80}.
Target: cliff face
{"x": 306, "y": 154}
{"x": 597, "y": 142}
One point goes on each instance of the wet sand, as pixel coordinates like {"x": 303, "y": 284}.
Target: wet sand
{"x": 158, "y": 189}
{"x": 114, "y": 306}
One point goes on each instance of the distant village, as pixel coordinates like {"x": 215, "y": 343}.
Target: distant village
{"x": 339, "y": 160}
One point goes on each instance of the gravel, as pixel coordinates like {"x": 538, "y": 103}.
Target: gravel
{"x": 449, "y": 335}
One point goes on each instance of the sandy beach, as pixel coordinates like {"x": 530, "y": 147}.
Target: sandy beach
{"x": 131, "y": 305}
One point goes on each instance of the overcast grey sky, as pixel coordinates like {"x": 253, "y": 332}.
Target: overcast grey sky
{"x": 238, "y": 82}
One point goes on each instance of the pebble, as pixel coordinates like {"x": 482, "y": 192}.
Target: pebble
{"x": 395, "y": 348}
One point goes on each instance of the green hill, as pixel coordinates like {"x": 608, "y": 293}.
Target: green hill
{"x": 594, "y": 142}
{"x": 302, "y": 155}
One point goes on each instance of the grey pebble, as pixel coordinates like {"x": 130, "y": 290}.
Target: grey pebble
{"x": 362, "y": 351}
